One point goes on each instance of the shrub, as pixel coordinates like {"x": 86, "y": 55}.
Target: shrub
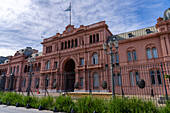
{"x": 165, "y": 109}
{"x": 46, "y": 102}
{"x": 33, "y": 101}
{"x": 131, "y": 106}
{"x": 63, "y": 104}
{"x": 89, "y": 104}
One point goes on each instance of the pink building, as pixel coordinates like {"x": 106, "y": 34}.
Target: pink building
{"x": 77, "y": 55}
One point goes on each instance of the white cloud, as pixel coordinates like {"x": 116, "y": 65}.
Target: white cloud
{"x": 24, "y": 21}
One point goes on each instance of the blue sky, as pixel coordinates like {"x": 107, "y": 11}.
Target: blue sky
{"x": 23, "y": 22}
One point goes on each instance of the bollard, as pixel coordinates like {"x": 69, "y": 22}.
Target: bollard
{"x": 40, "y": 107}
{"x": 72, "y": 110}
{"x": 28, "y": 106}
{"x": 8, "y": 103}
{"x": 54, "y": 110}
{"x": 17, "y": 105}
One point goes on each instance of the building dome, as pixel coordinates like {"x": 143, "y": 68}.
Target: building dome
{"x": 167, "y": 14}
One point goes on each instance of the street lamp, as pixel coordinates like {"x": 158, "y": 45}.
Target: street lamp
{"x": 110, "y": 43}
{"x": 30, "y": 61}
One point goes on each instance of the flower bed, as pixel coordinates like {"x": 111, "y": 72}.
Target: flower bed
{"x": 87, "y": 104}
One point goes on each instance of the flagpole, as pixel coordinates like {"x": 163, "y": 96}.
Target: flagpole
{"x": 70, "y": 13}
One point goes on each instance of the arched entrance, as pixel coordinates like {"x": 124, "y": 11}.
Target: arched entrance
{"x": 70, "y": 75}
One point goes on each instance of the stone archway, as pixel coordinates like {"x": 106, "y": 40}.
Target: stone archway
{"x": 70, "y": 75}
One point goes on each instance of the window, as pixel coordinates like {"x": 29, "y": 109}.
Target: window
{"x": 82, "y": 61}
{"x": 65, "y": 45}
{"x": 94, "y": 38}
{"x": 130, "y": 35}
{"x": 148, "y": 31}
{"x": 132, "y": 78}
{"x": 97, "y": 35}
{"x": 90, "y": 39}
{"x": 24, "y": 82}
{"x": 56, "y": 65}
{"x": 134, "y": 55}
{"x": 48, "y": 65}
{"x": 81, "y": 81}
{"x": 75, "y": 42}
{"x": 155, "y": 53}
{"x": 36, "y": 81}
{"x": 95, "y": 58}
{"x": 137, "y": 76}
{"x": 48, "y": 49}
{"x": 31, "y": 82}
{"x": 149, "y": 55}
{"x": 37, "y": 68}
{"x": 119, "y": 79}
{"x": 17, "y": 69}
{"x": 117, "y": 58}
{"x": 72, "y": 43}
{"x": 47, "y": 82}
{"x": 152, "y": 75}
{"x": 11, "y": 70}
{"x": 96, "y": 80}
{"x": 62, "y": 46}
{"x": 54, "y": 81}
{"x": 114, "y": 77}
{"x": 69, "y": 44}
{"x": 14, "y": 69}
{"x": 129, "y": 56}
{"x": 113, "y": 59}
{"x": 159, "y": 77}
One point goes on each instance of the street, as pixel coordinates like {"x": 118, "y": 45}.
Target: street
{"x": 13, "y": 109}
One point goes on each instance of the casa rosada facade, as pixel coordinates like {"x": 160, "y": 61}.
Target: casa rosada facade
{"x": 77, "y": 54}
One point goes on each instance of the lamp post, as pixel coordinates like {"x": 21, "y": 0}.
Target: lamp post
{"x": 30, "y": 61}
{"x": 110, "y": 43}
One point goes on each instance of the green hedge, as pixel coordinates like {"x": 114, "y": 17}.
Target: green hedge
{"x": 85, "y": 104}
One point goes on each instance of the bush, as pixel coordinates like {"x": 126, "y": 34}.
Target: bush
{"x": 33, "y": 101}
{"x": 89, "y": 104}
{"x": 46, "y": 102}
{"x": 131, "y": 106}
{"x": 63, "y": 104}
{"x": 165, "y": 109}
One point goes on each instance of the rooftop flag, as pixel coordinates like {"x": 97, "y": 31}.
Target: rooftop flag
{"x": 69, "y": 9}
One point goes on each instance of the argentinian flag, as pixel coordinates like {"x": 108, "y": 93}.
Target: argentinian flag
{"x": 68, "y": 9}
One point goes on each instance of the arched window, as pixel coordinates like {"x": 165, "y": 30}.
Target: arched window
{"x": 69, "y": 44}
{"x": 72, "y": 43}
{"x": 90, "y": 40}
{"x": 75, "y": 42}
{"x": 62, "y": 46}
{"x": 134, "y": 55}
{"x": 94, "y": 39}
{"x": 95, "y": 58}
{"x": 65, "y": 44}
{"x": 97, "y": 36}
{"x": 129, "y": 56}
{"x": 155, "y": 53}
{"x": 48, "y": 65}
{"x": 149, "y": 54}
{"x": 96, "y": 80}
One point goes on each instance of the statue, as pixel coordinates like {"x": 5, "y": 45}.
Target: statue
{"x": 166, "y": 14}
